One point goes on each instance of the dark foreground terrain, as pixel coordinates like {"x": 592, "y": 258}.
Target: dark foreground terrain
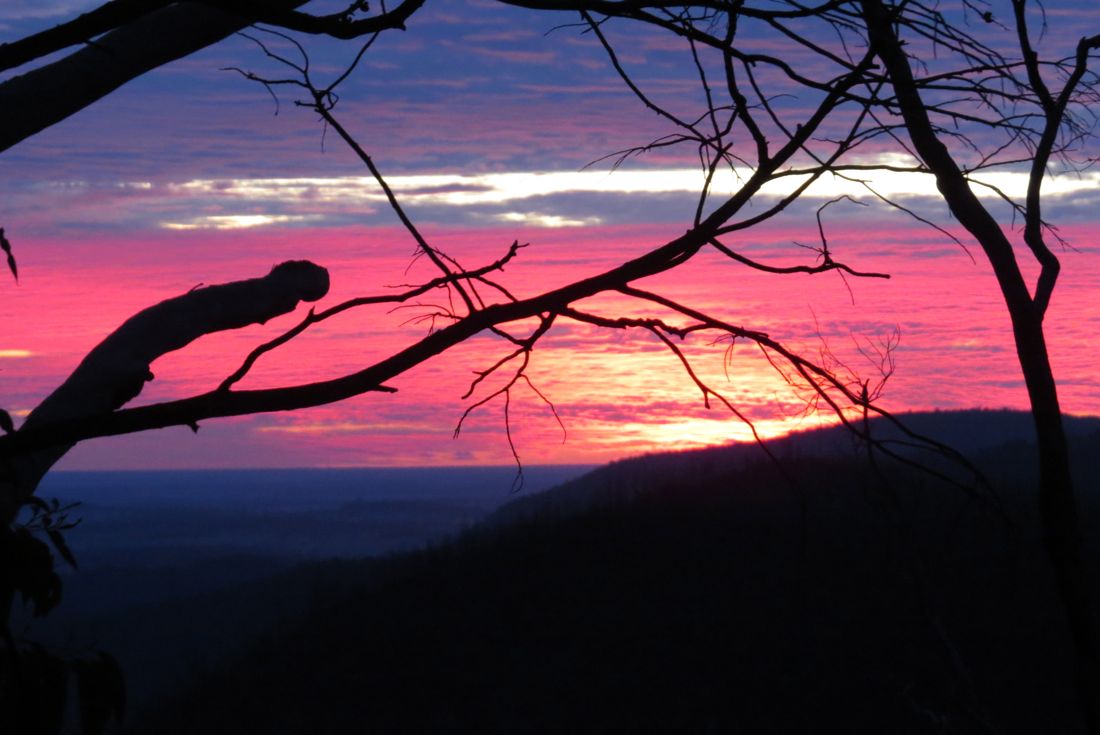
{"x": 704, "y": 592}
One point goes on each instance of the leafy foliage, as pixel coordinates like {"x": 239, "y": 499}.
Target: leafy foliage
{"x": 28, "y": 570}
{"x": 35, "y": 682}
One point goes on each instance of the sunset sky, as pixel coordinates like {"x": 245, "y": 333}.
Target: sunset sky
{"x": 485, "y": 119}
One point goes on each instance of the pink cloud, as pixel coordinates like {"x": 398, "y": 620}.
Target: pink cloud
{"x": 617, "y": 392}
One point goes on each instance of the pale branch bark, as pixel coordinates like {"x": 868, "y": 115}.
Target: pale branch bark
{"x": 115, "y": 371}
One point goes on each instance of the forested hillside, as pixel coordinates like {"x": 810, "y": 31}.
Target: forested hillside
{"x": 706, "y": 592}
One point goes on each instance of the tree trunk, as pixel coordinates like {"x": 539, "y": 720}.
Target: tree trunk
{"x": 1058, "y": 509}
{"x": 1057, "y": 503}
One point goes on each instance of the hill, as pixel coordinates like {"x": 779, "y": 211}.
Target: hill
{"x": 714, "y": 596}
{"x": 995, "y": 440}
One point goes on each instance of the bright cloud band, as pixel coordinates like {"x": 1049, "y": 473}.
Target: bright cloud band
{"x": 462, "y": 190}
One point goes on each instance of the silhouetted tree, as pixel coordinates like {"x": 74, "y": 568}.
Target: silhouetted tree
{"x": 955, "y": 95}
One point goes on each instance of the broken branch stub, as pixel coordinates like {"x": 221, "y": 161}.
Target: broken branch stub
{"x": 115, "y": 371}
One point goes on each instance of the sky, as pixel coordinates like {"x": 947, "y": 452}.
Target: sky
{"x": 492, "y": 124}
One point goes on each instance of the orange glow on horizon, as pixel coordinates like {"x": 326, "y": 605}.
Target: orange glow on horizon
{"x": 618, "y": 394}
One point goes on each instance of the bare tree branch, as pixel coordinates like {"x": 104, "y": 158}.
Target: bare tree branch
{"x": 115, "y": 371}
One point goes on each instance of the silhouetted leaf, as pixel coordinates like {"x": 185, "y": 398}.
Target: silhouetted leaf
{"x": 5, "y": 422}
{"x": 6, "y": 246}
{"x": 28, "y": 569}
{"x": 61, "y": 546}
{"x": 64, "y": 524}
{"x": 38, "y": 503}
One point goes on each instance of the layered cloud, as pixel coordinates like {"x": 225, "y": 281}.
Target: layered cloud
{"x": 550, "y": 199}
{"x": 484, "y": 123}
{"x": 617, "y": 392}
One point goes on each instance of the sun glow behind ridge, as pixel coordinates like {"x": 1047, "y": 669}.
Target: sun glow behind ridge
{"x": 616, "y": 393}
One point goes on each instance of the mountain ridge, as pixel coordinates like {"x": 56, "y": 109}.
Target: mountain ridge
{"x": 978, "y": 434}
